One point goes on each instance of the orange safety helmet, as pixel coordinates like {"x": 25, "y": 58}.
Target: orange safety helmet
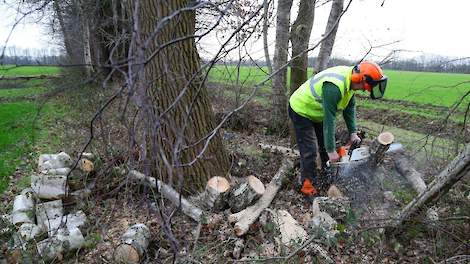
{"x": 372, "y": 74}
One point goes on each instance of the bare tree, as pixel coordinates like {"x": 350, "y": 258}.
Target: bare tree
{"x": 300, "y": 36}
{"x": 331, "y": 29}
{"x": 266, "y": 4}
{"x": 279, "y": 99}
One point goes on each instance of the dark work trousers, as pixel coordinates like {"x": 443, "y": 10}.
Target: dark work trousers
{"x": 309, "y": 134}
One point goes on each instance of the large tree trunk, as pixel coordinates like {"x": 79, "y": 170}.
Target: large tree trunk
{"x": 457, "y": 169}
{"x": 300, "y": 35}
{"x": 327, "y": 44}
{"x": 279, "y": 115}
{"x": 85, "y": 30}
{"x": 173, "y": 74}
{"x": 67, "y": 16}
{"x": 65, "y": 33}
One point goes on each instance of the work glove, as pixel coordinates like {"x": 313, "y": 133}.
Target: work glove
{"x": 354, "y": 139}
{"x": 333, "y": 156}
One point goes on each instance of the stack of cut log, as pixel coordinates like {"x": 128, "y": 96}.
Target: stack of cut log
{"x": 38, "y": 212}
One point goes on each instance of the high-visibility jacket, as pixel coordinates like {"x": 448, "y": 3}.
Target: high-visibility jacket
{"x": 307, "y": 99}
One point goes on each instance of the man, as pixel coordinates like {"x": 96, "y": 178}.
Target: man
{"x": 313, "y": 108}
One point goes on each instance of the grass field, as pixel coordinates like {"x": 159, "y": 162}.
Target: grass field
{"x": 441, "y": 89}
{"x": 11, "y": 70}
{"x": 20, "y": 125}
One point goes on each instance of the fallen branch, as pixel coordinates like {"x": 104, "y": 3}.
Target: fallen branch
{"x": 169, "y": 193}
{"x": 454, "y": 171}
{"x": 404, "y": 167}
{"x": 248, "y": 216}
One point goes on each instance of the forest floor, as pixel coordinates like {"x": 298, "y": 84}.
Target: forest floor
{"x": 112, "y": 209}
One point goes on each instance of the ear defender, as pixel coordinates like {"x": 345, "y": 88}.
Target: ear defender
{"x": 356, "y": 77}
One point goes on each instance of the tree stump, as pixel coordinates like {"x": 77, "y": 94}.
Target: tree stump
{"x": 246, "y": 194}
{"x": 217, "y": 190}
{"x": 133, "y": 245}
{"x": 379, "y": 147}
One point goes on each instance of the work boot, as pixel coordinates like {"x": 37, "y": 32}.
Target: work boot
{"x": 308, "y": 189}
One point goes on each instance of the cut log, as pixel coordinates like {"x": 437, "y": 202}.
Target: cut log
{"x": 88, "y": 155}
{"x": 58, "y": 171}
{"x": 454, "y": 171}
{"x": 70, "y": 221}
{"x": 217, "y": 190}
{"x": 245, "y": 194}
{"x": 292, "y": 153}
{"x": 405, "y": 168}
{"x": 249, "y": 215}
{"x": 379, "y": 147}
{"x": 49, "y": 187}
{"x": 46, "y": 212}
{"x": 86, "y": 165}
{"x": 29, "y": 231}
{"x": 23, "y": 208}
{"x": 54, "y": 161}
{"x": 169, "y": 193}
{"x": 292, "y": 232}
{"x": 133, "y": 245}
{"x": 65, "y": 240}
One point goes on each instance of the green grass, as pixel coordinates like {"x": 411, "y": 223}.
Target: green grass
{"x": 12, "y": 70}
{"x": 31, "y": 91}
{"x": 16, "y": 132}
{"x": 440, "y": 89}
{"x": 19, "y": 133}
{"x": 20, "y": 126}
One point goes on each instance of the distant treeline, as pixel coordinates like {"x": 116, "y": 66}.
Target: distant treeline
{"x": 422, "y": 63}
{"x": 23, "y": 60}
{"x": 19, "y": 56}
{"x": 425, "y": 64}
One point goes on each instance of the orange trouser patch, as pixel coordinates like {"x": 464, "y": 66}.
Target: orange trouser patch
{"x": 307, "y": 188}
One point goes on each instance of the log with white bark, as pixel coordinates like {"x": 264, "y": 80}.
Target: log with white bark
{"x": 454, "y": 171}
{"x": 169, "y": 193}
{"x": 215, "y": 195}
{"x": 23, "y": 208}
{"x": 29, "y": 231}
{"x": 248, "y": 216}
{"x": 57, "y": 171}
{"x": 54, "y": 161}
{"x": 46, "y": 212}
{"x": 404, "y": 167}
{"x": 293, "y": 153}
{"x": 291, "y": 231}
{"x": 88, "y": 155}
{"x": 49, "y": 186}
{"x": 133, "y": 246}
{"x": 379, "y": 147}
{"x": 64, "y": 241}
{"x": 70, "y": 221}
{"x": 245, "y": 194}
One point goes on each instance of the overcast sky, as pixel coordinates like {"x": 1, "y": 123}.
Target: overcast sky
{"x": 428, "y": 26}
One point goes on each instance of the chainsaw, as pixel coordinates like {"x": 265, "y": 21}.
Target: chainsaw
{"x": 351, "y": 153}
{"x": 354, "y": 153}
